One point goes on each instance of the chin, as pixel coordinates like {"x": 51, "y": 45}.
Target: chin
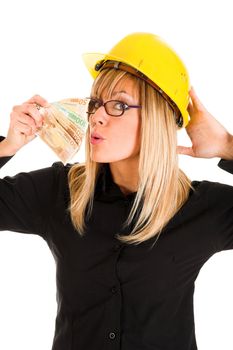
{"x": 102, "y": 157}
{"x": 108, "y": 159}
{"x": 101, "y": 160}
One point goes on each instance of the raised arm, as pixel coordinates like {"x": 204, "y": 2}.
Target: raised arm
{"x": 3, "y": 159}
{"x": 26, "y": 200}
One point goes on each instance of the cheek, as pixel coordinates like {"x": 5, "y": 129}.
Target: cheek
{"x": 123, "y": 142}
{"x": 127, "y": 135}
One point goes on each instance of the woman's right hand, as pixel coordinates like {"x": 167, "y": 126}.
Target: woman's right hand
{"x": 25, "y": 120}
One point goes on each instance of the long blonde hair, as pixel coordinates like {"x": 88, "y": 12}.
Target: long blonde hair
{"x": 162, "y": 188}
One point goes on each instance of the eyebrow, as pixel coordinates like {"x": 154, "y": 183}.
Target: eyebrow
{"x": 122, "y": 92}
{"x": 119, "y": 92}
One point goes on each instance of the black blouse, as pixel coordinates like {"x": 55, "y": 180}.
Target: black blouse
{"x": 114, "y": 296}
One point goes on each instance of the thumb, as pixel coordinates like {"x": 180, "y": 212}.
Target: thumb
{"x": 188, "y": 151}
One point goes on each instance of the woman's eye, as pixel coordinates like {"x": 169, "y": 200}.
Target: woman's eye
{"x": 121, "y": 106}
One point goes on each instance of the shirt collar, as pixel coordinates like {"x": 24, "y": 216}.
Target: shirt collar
{"x": 107, "y": 189}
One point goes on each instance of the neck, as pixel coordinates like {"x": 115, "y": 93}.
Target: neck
{"x": 125, "y": 175}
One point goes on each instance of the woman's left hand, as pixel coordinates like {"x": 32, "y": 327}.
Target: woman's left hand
{"x": 209, "y": 138}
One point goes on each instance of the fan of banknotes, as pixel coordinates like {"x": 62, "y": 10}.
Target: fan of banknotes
{"x": 65, "y": 125}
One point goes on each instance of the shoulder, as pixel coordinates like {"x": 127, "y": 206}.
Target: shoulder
{"x": 59, "y": 166}
{"x": 216, "y": 195}
{"x": 215, "y": 207}
{"x": 68, "y": 170}
{"x": 208, "y": 207}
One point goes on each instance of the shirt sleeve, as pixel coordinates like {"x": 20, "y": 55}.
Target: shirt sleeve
{"x": 3, "y": 160}
{"x": 26, "y": 200}
{"x": 226, "y": 165}
{"x": 220, "y": 209}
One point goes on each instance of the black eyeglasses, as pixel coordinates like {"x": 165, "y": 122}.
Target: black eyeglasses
{"x": 114, "y": 108}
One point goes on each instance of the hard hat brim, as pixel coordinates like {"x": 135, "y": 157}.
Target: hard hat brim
{"x": 93, "y": 58}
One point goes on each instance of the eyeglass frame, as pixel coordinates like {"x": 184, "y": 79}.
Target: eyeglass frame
{"x": 103, "y": 104}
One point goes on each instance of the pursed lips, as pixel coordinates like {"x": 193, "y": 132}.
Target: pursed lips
{"x": 96, "y": 136}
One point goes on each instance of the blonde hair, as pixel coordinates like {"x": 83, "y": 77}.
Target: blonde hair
{"x": 162, "y": 187}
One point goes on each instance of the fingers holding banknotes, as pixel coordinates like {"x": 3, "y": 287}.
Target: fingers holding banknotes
{"x": 25, "y": 120}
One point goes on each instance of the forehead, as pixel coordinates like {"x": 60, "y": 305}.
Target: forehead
{"x": 125, "y": 87}
{"x": 111, "y": 83}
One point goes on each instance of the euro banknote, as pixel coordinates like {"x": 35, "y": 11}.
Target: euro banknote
{"x": 64, "y": 127}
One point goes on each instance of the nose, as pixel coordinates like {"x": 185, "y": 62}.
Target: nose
{"x": 99, "y": 117}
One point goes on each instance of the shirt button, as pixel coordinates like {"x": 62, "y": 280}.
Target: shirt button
{"x": 114, "y": 289}
{"x": 112, "y": 335}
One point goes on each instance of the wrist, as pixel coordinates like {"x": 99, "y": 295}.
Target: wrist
{"x": 6, "y": 150}
{"x": 228, "y": 149}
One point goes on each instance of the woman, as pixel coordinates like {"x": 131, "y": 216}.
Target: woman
{"x": 128, "y": 230}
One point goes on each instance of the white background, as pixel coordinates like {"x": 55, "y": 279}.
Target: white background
{"x": 41, "y": 43}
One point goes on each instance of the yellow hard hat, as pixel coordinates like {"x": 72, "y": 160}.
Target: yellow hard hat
{"x": 152, "y": 59}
